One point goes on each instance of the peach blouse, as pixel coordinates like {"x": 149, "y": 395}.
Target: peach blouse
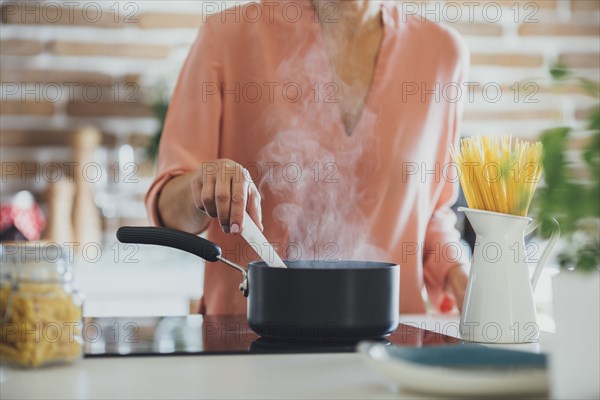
{"x": 257, "y": 89}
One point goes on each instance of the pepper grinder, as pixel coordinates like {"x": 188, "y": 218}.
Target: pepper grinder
{"x": 59, "y": 200}
{"x": 87, "y": 222}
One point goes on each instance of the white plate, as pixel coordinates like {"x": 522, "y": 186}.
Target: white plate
{"x": 461, "y": 370}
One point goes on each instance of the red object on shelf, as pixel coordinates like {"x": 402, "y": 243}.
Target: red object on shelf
{"x": 26, "y": 217}
{"x": 6, "y": 219}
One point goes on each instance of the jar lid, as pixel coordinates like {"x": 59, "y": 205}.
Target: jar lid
{"x": 35, "y": 261}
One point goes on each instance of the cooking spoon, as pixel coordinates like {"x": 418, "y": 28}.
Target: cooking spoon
{"x": 260, "y": 244}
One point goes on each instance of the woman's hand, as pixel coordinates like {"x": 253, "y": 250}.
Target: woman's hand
{"x": 224, "y": 190}
{"x": 219, "y": 189}
{"x": 456, "y": 285}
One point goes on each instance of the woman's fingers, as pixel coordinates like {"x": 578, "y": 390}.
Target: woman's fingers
{"x": 226, "y": 192}
{"x": 456, "y": 285}
{"x": 223, "y": 201}
{"x": 208, "y": 198}
{"x": 239, "y": 196}
{"x": 197, "y": 193}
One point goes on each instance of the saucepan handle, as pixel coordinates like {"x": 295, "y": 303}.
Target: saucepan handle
{"x": 175, "y": 239}
{"x": 170, "y": 238}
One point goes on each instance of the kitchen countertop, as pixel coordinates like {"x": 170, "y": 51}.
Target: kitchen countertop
{"x": 221, "y": 376}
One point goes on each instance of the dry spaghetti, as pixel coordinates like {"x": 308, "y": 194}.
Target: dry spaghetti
{"x": 498, "y": 174}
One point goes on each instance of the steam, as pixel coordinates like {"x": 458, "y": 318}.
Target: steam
{"x": 320, "y": 176}
{"x": 320, "y": 193}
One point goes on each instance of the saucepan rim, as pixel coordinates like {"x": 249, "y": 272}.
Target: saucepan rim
{"x": 368, "y": 265}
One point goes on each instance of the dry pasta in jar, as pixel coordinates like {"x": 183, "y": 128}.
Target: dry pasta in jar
{"x": 40, "y": 312}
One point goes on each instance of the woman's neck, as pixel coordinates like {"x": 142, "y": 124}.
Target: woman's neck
{"x": 347, "y": 19}
{"x": 347, "y": 12}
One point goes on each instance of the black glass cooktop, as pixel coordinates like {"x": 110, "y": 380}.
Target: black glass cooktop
{"x": 197, "y": 335}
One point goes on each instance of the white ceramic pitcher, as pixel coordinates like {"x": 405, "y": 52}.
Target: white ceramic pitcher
{"x": 498, "y": 305}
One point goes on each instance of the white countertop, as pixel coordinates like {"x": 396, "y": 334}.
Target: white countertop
{"x": 223, "y": 376}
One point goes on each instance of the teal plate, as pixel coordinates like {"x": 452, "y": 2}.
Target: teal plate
{"x": 462, "y": 370}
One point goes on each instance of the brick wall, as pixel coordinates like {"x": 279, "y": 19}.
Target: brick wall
{"x": 69, "y": 64}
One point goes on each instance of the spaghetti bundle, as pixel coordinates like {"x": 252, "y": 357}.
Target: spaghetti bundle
{"x": 498, "y": 174}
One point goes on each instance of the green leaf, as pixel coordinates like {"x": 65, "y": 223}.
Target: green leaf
{"x": 559, "y": 72}
{"x": 589, "y": 86}
{"x": 160, "y": 109}
{"x": 588, "y": 256}
{"x": 554, "y": 142}
{"x": 594, "y": 119}
{"x": 570, "y": 201}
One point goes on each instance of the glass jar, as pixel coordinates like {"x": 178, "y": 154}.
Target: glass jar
{"x": 40, "y": 312}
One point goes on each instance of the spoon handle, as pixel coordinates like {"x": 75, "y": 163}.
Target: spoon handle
{"x": 260, "y": 244}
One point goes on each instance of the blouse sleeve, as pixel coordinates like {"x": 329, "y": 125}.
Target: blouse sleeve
{"x": 192, "y": 128}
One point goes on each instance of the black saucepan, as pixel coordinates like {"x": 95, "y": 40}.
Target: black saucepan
{"x": 309, "y": 300}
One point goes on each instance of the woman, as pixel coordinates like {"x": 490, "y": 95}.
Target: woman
{"x": 333, "y": 92}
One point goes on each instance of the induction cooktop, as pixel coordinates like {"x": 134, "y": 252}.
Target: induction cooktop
{"x": 198, "y": 335}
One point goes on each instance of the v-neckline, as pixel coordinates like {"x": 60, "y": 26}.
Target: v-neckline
{"x": 374, "y": 79}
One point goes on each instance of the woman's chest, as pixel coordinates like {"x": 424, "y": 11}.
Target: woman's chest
{"x": 353, "y": 64}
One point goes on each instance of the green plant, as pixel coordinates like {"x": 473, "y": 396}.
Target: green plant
{"x": 160, "y": 106}
{"x": 574, "y": 201}
{"x": 159, "y": 109}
